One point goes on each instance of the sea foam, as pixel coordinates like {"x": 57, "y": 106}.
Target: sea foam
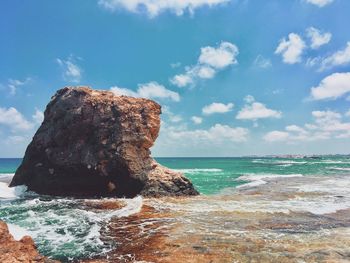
{"x": 59, "y": 226}
{"x": 7, "y": 192}
{"x": 198, "y": 170}
{"x": 257, "y": 179}
{"x": 17, "y": 232}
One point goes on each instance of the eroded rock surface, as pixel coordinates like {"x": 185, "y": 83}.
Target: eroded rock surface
{"x": 94, "y": 143}
{"x": 24, "y": 250}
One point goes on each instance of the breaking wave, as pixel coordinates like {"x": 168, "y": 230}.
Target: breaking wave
{"x": 199, "y": 170}
{"x": 60, "y": 226}
{"x": 258, "y": 179}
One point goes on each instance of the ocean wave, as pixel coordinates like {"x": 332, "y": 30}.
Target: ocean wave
{"x": 259, "y": 176}
{"x": 198, "y": 170}
{"x": 339, "y": 168}
{"x": 329, "y": 162}
{"x": 11, "y": 193}
{"x": 318, "y": 195}
{"x": 257, "y": 179}
{"x": 285, "y": 165}
{"x": 337, "y": 186}
{"x": 17, "y": 232}
{"x": 292, "y": 162}
{"x": 55, "y": 223}
{"x": 60, "y": 226}
{"x": 278, "y": 162}
{"x": 6, "y": 177}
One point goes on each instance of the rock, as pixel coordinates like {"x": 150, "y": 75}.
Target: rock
{"x": 24, "y": 250}
{"x": 94, "y": 143}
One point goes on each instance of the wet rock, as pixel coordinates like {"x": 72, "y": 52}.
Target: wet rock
{"x": 24, "y": 250}
{"x": 94, "y": 143}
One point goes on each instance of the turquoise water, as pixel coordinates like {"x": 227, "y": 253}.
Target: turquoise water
{"x": 66, "y": 229}
{"x": 211, "y": 175}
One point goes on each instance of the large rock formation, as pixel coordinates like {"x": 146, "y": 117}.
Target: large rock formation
{"x": 24, "y": 250}
{"x": 94, "y": 143}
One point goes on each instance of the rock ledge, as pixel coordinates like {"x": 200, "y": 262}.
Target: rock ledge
{"x": 24, "y": 250}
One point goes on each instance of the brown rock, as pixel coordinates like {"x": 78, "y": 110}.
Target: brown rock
{"x": 24, "y": 250}
{"x": 94, "y": 143}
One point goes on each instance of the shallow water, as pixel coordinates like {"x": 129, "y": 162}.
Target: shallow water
{"x": 267, "y": 209}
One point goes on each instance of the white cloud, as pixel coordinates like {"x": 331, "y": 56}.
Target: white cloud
{"x": 216, "y": 134}
{"x": 217, "y": 107}
{"x": 15, "y": 139}
{"x": 319, "y": 3}
{"x": 196, "y": 120}
{"x": 339, "y": 58}
{"x": 277, "y": 91}
{"x": 205, "y": 72}
{"x": 312, "y": 62}
{"x": 154, "y": 8}
{"x": 38, "y": 116}
{"x": 151, "y": 90}
{"x": 220, "y": 57}
{"x": 275, "y": 136}
{"x": 176, "y": 138}
{"x": 347, "y": 113}
{"x": 330, "y": 121}
{"x": 175, "y": 118}
{"x": 16, "y": 131}
{"x": 13, "y": 84}
{"x": 71, "y": 71}
{"x": 155, "y": 90}
{"x": 182, "y": 80}
{"x": 332, "y": 87}
{"x": 14, "y": 120}
{"x": 291, "y": 49}
{"x": 262, "y": 62}
{"x": 123, "y": 91}
{"x": 295, "y": 128}
{"x": 317, "y": 37}
{"x": 255, "y": 110}
{"x": 175, "y": 65}
{"x": 327, "y": 124}
{"x": 210, "y": 61}
{"x": 170, "y": 115}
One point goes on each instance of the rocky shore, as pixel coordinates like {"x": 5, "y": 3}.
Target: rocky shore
{"x": 24, "y": 250}
{"x": 95, "y": 143}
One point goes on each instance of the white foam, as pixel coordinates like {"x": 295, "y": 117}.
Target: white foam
{"x": 55, "y": 223}
{"x": 289, "y": 162}
{"x": 335, "y": 196}
{"x": 285, "y": 165}
{"x": 277, "y": 162}
{"x": 6, "y": 177}
{"x": 133, "y": 206}
{"x": 199, "y": 170}
{"x": 17, "y": 232}
{"x": 7, "y": 192}
{"x": 330, "y": 162}
{"x": 257, "y": 179}
{"x": 336, "y": 186}
{"x": 252, "y": 184}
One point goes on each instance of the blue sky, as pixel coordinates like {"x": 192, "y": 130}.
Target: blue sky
{"x": 234, "y": 77}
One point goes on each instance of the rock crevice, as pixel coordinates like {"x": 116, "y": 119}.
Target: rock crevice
{"x": 94, "y": 143}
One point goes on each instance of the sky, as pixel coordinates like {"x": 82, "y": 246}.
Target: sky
{"x": 234, "y": 77}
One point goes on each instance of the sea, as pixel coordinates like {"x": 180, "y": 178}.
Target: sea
{"x": 295, "y": 200}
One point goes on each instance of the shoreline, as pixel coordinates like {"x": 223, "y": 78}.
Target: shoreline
{"x": 284, "y": 219}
